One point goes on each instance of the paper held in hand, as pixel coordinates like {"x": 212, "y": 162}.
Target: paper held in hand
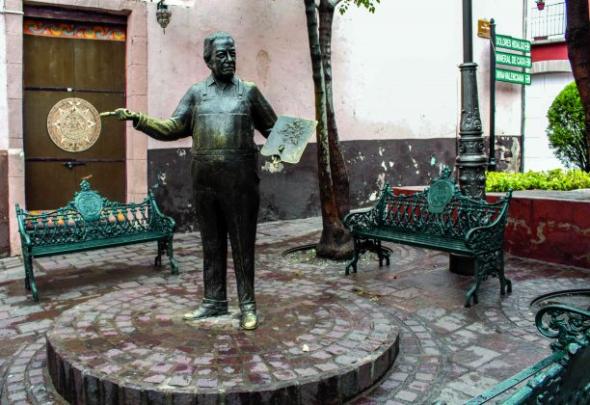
{"x": 288, "y": 139}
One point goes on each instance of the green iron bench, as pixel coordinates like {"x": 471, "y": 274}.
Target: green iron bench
{"x": 564, "y": 376}
{"x": 89, "y": 222}
{"x": 439, "y": 218}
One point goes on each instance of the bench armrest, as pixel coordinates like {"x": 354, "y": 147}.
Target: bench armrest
{"x": 362, "y": 219}
{"x": 564, "y": 321}
{"x": 163, "y": 222}
{"x": 25, "y": 238}
{"x": 492, "y": 235}
{"x": 171, "y": 224}
{"x": 489, "y": 237}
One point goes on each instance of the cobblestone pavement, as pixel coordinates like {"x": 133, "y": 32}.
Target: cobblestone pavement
{"x": 447, "y": 352}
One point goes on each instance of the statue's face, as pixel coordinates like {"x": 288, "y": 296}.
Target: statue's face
{"x": 223, "y": 59}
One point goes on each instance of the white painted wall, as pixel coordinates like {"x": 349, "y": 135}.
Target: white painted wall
{"x": 396, "y": 72}
{"x": 540, "y": 95}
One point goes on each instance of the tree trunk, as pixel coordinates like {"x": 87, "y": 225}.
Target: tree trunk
{"x": 335, "y": 242}
{"x": 340, "y": 178}
{"x": 577, "y": 37}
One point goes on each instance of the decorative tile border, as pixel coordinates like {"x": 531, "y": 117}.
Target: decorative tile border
{"x": 74, "y": 31}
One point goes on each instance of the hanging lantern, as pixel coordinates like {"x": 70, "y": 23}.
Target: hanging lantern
{"x": 163, "y": 15}
{"x": 540, "y": 4}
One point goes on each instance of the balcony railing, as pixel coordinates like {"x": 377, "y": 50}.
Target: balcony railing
{"x": 549, "y": 23}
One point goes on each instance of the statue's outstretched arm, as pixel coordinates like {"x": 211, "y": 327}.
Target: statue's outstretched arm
{"x": 169, "y": 129}
{"x": 121, "y": 114}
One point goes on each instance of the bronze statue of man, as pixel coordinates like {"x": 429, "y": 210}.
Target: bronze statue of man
{"x": 220, "y": 113}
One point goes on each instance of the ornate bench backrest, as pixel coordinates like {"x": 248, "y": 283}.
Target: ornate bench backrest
{"x": 440, "y": 209}
{"x": 89, "y": 216}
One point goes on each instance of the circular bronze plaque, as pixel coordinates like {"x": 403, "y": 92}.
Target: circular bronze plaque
{"x": 73, "y": 124}
{"x": 89, "y": 204}
{"x": 439, "y": 195}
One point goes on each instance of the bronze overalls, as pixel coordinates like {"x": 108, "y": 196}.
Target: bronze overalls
{"x": 221, "y": 120}
{"x": 225, "y": 188}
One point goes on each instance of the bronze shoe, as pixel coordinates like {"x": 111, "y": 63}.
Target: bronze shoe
{"x": 249, "y": 320}
{"x": 209, "y": 308}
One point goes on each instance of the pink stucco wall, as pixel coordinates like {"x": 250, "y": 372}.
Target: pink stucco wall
{"x": 393, "y": 79}
{"x": 396, "y": 71}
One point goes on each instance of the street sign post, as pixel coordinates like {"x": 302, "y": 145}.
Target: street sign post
{"x": 492, "y": 154}
{"x": 514, "y": 53}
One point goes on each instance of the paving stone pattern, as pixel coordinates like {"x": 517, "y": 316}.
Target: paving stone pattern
{"x": 447, "y": 352}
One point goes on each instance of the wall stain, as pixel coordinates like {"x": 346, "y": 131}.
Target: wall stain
{"x": 540, "y": 234}
{"x": 263, "y": 66}
{"x": 519, "y": 223}
{"x": 573, "y": 228}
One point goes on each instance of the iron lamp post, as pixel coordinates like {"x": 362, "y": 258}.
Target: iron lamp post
{"x": 471, "y": 160}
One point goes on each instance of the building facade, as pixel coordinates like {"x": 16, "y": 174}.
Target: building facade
{"x": 396, "y": 85}
{"x": 551, "y": 72}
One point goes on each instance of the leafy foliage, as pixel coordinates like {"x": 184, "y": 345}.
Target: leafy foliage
{"x": 550, "y": 180}
{"x": 368, "y": 4}
{"x": 566, "y": 129}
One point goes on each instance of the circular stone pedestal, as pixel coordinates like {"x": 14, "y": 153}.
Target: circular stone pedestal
{"x": 132, "y": 346}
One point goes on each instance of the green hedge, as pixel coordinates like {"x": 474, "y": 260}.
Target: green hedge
{"x": 551, "y": 180}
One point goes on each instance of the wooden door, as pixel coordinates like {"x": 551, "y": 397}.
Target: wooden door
{"x": 72, "y": 60}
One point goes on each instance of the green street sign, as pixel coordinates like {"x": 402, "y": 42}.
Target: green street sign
{"x": 511, "y": 76}
{"x": 511, "y": 59}
{"x": 504, "y": 41}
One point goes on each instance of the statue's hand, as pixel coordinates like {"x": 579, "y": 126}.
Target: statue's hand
{"x": 121, "y": 114}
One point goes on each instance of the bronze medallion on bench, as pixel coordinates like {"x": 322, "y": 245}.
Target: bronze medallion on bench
{"x": 88, "y": 203}
{"x": 90, "y": 222}
{"x": 439, "y": 218}
{"x": 441, "y": 192}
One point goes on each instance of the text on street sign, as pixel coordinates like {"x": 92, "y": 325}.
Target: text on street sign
{"x": 511, "y": 59}
{"x": 511, "y": 76}
{"x": 516, "y": 44}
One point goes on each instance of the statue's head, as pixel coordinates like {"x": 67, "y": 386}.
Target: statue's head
{"x": 219, "y": 52}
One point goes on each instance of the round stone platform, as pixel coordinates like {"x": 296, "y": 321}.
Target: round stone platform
{"x": 132, "y": 346}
